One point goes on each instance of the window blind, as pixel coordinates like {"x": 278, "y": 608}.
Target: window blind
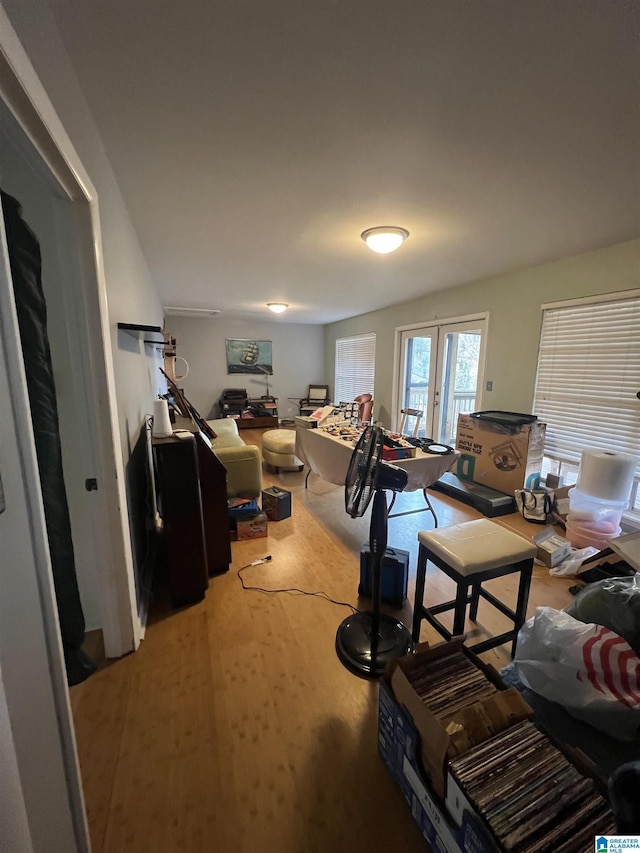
{"x": 588, "y": 376}
{"x": 355, "y": 367}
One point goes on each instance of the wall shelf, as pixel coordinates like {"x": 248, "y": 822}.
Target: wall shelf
{"x": 140, "y": 331}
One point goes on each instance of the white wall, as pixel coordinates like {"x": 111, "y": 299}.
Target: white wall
{"x": 514, "y": 303}
{"x": 298, "y": 359}
{"x": 131, "y": 293}
{"x": 132, "y": 296}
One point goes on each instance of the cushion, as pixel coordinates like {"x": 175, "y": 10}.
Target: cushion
{"x": 475, "y": 546}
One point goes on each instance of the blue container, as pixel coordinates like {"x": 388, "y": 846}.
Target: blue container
{"x": 394, "y": 575}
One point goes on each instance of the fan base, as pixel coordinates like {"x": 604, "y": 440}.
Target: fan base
{"x": 354, "y": 644}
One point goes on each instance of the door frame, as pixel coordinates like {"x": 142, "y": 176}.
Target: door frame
{"x": 46, "y": 715}
{"x": 435, "y": 323}
{"x": 23, "y": 95}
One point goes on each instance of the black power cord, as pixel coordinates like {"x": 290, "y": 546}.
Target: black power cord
{"x": 292, "y": 590}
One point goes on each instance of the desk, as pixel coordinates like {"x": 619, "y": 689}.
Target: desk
{"x": 329, "y": 457}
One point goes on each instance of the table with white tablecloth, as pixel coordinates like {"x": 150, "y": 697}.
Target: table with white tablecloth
{"x": 328, "y": 456}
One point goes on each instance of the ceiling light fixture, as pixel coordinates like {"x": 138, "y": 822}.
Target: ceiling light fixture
{"x": 384, "y": 238}
{"x": 277, "y": 307}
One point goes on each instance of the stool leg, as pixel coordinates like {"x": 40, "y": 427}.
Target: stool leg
{"x": 421, "y": 574}
{"x": 475, "y": 598}
{"x": 523, "y": 600}
{"x": 460, "y": 609}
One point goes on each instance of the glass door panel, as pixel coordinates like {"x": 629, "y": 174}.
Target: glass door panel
{"x": 418, "y": 377}
{"x": 441, "y": 374}
{"x": 459, "y": 355}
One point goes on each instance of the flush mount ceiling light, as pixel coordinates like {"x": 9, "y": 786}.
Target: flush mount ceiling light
{"x": 175, "y": 311}
{"x": 384, "y": 238}
{"x": 277, "y": 307}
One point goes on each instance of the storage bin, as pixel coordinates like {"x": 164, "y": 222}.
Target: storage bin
{"x": 587, "y": 510}
{"x": 584, "y": 537}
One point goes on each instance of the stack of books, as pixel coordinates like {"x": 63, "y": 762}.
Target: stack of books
{"x": 447, "y": 685}
{"x": 530, "y": 795}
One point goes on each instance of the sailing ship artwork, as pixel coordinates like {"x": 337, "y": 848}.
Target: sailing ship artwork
{"x": 249, "y": 356}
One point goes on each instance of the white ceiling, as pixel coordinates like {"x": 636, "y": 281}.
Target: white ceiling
{"x": 254, "y": 140}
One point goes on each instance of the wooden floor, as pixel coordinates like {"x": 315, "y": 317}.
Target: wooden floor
{"x": 234, "y": 727}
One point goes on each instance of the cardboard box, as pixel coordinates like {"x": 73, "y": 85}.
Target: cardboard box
{"x": 305, "y": 422}
{"x": 252, "y": 527}
{"x": 276, "y": 503}
{"x": 501, "y": 457}
{"x": 471, "y": 726}
{"x": 552, "y": 547}
{"x": 398, "y": 746}
{"x": 561, "y": 501}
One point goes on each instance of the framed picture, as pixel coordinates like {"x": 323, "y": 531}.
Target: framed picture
{"x": 248, "y": 356}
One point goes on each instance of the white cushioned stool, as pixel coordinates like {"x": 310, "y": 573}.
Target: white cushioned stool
{"x": 471, "y": 553}
{"x": 278, "y": 449}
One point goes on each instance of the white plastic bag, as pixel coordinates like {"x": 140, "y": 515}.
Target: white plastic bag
{"x": 569, "y": 568}
{"x": 589, "y": 670}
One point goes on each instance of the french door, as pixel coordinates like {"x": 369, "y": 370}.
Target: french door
{"x": 441, "y": 370}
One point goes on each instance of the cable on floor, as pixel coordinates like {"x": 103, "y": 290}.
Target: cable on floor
{"x": 293, "y": 590}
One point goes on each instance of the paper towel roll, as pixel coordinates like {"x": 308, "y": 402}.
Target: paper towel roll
{"x": 606, "y": 474}
{"x": 161, "y": 421}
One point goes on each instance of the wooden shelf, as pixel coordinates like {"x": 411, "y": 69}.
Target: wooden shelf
{"x": 140, "y": 331}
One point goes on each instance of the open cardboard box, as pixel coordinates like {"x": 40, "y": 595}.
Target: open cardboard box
{"x": 441, "y": 740}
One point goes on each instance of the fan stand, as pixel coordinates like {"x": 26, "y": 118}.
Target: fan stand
{"x": 367, "y": 641}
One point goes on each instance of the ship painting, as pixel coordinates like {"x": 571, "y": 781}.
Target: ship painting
{"x": 249, "y": 356}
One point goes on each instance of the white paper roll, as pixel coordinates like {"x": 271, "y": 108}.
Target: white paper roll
{"x": 161, "y": 422}
{"x": 606, "y": 474}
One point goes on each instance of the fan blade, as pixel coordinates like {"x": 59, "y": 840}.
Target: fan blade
{"x": 359, "y": 482}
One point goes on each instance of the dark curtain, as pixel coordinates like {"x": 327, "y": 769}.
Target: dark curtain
{"x": 25, "y": 262}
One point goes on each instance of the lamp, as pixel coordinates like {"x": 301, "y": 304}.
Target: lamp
{"x": 277, "y": 307}
{"x": 384, "y": 238}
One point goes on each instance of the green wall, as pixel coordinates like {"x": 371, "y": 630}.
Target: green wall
{"x": 513, "y": 302}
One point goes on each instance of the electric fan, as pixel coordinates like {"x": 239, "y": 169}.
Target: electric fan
{"x": 367, "y": 641}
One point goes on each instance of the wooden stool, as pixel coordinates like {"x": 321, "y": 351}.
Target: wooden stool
{"x": 471, "y": 553}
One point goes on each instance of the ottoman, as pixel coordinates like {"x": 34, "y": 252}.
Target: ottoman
{"x": 278, "y": 449}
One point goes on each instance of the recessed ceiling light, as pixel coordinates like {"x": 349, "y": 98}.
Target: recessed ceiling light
{"x": 174, "y": 311}
{"x": 277, "y": 307}
{"x": 384, "y": 238}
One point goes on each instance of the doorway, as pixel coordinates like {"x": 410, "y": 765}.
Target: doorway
{"x": 440, "y": 374}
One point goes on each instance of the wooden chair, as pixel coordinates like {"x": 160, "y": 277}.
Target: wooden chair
{"x": 317, "y": 397}
{"x": 410, "y": 413}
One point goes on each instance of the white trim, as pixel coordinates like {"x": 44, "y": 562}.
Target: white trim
{"x": 590, "y": 300}
{"x": 445, "y": 321}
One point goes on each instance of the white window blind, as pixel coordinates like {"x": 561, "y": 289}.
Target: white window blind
{"x": 355, "y": 367}
{"x": 588, "y": 377}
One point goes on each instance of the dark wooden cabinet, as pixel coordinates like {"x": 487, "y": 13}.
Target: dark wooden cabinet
{"x": 192, "y": 501}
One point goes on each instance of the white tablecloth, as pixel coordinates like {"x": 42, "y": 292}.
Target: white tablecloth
{"x": 329, "y": 457}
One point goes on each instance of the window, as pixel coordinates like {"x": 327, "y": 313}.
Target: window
{"x": 587, "y": 380}
{"x": 355, "y": 367}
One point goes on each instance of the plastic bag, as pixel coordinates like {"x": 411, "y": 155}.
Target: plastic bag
{"x": 614, "y": 603}
{"x": 588, "y": 669}
{"x": 569, "y": 568}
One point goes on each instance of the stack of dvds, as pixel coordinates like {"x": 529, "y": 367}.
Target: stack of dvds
{"x": 530, "y": 795}
{"x": 449, "y": 684}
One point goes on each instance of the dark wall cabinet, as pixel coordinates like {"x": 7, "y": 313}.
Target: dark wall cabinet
{"x": 192, "y": 500}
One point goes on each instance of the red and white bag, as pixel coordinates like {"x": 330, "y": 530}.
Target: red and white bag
{"x": 588, "y": 669}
